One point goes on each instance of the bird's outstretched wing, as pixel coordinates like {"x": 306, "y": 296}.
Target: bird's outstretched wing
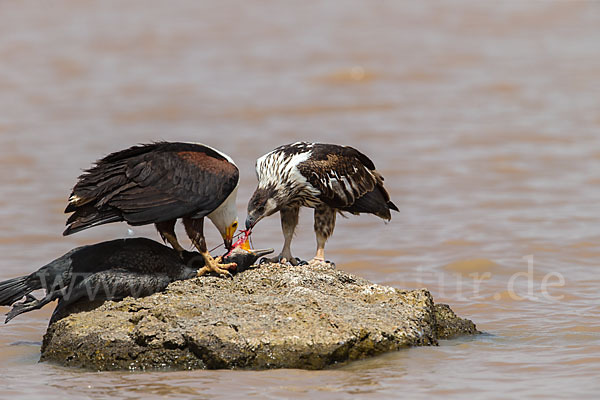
{"x": 151, "y": 183}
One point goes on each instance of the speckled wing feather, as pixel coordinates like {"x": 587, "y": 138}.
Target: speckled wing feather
{"x": 347, "y": 180}
{"x": 339, "y": 173}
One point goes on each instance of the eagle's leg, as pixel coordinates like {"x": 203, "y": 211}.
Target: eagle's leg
{"x": 194, "y": 227}
{"x": 289, "y": 220}
{"x": 324, "y": 224}
{"x": 166, "y": 230}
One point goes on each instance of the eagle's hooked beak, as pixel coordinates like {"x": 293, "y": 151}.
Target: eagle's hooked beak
{"x": 229, "y": 232}
{"x": 250, "y": 222}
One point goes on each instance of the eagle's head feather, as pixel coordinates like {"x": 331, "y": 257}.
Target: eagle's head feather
{"x": 264, "y": 202}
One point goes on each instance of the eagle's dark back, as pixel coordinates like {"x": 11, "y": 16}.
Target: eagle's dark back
{"x": 151, "y": 183}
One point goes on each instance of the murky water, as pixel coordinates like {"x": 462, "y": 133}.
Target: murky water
{"x": 483, "y": 117}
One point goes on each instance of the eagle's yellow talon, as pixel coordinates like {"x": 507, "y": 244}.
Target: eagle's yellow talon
{"x": 215, "y": 265}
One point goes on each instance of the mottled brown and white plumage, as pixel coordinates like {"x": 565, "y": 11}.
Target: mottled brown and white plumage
{"x": 159, "y": 183}
{"x": 326, "y": 177}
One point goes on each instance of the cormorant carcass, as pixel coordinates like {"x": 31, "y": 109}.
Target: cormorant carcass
{"x": 110, "y": 270}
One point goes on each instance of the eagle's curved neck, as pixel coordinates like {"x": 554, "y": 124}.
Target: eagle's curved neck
{"x": 226, "y": 213}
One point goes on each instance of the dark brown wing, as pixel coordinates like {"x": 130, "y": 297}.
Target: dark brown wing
{"x": 347, "y": 180}
{"x": 151, "y": 183}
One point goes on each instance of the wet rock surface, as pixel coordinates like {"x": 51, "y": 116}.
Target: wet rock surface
{"x": 272, "y": 316}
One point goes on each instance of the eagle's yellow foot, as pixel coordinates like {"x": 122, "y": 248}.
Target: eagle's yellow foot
{"x": 215, "y": 265}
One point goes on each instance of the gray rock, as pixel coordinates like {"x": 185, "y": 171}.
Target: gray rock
{"x": 274, "y": 316}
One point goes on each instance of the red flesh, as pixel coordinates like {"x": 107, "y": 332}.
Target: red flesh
{"x": 245, "y": 234}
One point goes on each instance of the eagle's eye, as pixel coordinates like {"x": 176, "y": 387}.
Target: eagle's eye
{"x": 261, "y": 209}
{"x": 235, "y": 225}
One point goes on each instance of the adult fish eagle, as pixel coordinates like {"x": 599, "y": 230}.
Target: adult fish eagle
{"x": 156, "y": 184}
{"x": 327, "y": 177}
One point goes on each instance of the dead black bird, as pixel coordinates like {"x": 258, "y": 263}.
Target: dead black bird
{"x": 110, "y": 270}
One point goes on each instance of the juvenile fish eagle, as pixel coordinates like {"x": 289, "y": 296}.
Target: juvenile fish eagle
{"x": 327, "y": 177}
{"x": 156, "y": 184}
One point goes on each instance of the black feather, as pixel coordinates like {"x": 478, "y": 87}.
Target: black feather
{"x": 14, "y": 289}
{"x": 372, "y": 202}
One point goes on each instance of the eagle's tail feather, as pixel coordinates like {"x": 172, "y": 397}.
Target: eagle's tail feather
{"x": 373, "y": 202}
{"x": 87, "y": 217}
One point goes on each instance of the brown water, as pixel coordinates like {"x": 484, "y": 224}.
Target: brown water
{"x": 483, "y": 117}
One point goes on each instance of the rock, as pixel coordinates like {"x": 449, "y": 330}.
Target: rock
{"x": 274, "y": 316}
{"x": 449, "y": 326}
